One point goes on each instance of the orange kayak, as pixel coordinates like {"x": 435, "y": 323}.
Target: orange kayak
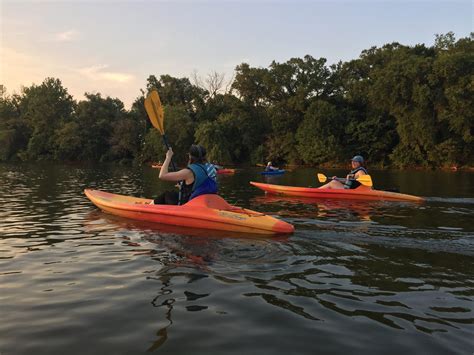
{"x": 204, "y": 212}
{"x": 361, "y": 193}
{"x": 226, "y": 171}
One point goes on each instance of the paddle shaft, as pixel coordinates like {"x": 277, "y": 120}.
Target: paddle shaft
{"x": 167, "y": 145}
{"x": 341, "y": 179}
{"x": 165, "y": 141}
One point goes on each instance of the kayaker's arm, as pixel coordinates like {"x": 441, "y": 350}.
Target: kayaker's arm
{"x": 183, "y": 174}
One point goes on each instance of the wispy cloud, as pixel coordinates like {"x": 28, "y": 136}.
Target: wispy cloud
{"x": 66, "y": 36}
{"x": 98, "y": 72}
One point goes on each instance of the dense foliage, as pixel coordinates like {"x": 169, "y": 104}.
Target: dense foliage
{"x": 397, "y": 105}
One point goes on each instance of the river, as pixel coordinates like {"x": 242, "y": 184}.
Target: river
{"x": 355, "y": 277}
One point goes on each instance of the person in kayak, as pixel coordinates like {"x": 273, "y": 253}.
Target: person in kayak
{"x": 358, "y": 169}
{"x": 269, "y": 167}
{"x": 198, "y": 178}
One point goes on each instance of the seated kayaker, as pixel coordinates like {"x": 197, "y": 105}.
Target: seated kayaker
{"x": 269, "y": 167}
{"x": 358, "y": 169}
{"x": 198, "y": 178}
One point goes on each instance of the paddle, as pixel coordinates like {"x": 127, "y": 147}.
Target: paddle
{"x": 155, "y": 112}
{"x": 365, "y": 180}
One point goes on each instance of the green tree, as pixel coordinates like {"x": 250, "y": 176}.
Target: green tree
{"x": 97, "y": 117}
{"x": 68, "y": 140}
{"x": 250, "y": 84}
{"x": 178, "y": 91}
{"x": 214, "y": 136}
{"x": 125, "y": 141}
{"x": 45, "y": 107}
{"x": 319, "y": 136}
{"x": 179, "y": 129}
{"x": 14, "y": 131}
{"x": 453, "y": 71}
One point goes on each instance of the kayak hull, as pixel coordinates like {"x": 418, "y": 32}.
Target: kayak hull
{"x": 203, "y": 212}
{"x": 226, "y": 171}
{"x": 361, "y": 193}
{"x": 273, "y": 172}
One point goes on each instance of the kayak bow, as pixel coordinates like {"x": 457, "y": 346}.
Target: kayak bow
{"x": 204, "y": 212}
{"x": 360, "y": 193}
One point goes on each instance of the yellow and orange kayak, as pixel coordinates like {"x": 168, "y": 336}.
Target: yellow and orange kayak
{"x": 360, "y": 193}
{"x": 204, "y": 212}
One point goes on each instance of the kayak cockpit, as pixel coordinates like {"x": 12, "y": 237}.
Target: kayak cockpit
{"x": 209, "y": 201}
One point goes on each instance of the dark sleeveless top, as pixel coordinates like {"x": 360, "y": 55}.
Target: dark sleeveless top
{"x": 353, "y": 184}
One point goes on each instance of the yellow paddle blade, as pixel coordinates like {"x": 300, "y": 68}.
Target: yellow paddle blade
{"x": 322, "y": 178}
{"x": 365, "y": 180}
{"x": 155, "y": 111}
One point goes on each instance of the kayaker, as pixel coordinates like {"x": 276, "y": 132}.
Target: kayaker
{"x": 269, "y": 167}
{"x": 199, "y": 178}
{"x": 358, "y": 169}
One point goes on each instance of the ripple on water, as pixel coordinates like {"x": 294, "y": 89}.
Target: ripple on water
{"x": 351, "y": 279}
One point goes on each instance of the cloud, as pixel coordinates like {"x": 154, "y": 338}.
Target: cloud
{"x": 66, "y": 36}
{"x": 97, "y": 72}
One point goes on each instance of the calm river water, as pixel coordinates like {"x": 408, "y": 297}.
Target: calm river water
{"x": 355, "y": 277}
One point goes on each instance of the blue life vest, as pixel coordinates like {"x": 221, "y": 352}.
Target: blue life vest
{"x": 353, "y": 184}
{"x": 205, "y": 179}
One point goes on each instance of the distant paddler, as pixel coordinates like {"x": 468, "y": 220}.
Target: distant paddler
{"x": 350, "y": 182}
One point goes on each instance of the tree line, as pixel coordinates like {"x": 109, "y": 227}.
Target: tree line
{"x": 396, "y": 105}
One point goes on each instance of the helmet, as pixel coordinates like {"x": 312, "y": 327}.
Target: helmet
{"x": 358, "y": 158}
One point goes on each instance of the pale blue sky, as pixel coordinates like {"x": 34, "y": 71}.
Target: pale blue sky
{"x": 111, "y": 47}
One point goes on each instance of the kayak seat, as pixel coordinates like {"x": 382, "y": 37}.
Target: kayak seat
{"x": 209, "y": 201}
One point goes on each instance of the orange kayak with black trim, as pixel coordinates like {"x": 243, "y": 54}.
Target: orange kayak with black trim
{"x": 204, "y": 212}
{"x": 360, "y": 193}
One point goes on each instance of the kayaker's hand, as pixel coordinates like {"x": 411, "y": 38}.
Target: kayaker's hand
{"x": 169, "y": 154}
{"x": 350, "y": 176}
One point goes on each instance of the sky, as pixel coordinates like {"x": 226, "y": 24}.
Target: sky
{"x": 111, "y": 47}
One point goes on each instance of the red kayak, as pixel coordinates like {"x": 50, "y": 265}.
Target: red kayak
{"x": 361, "y": 193}
{"x": 226, "y": 171}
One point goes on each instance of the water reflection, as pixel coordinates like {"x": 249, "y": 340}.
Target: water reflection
{"x": 310, "y": 279}
{"x": 321, "y": 208}
{"x": 167, "y": 303}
